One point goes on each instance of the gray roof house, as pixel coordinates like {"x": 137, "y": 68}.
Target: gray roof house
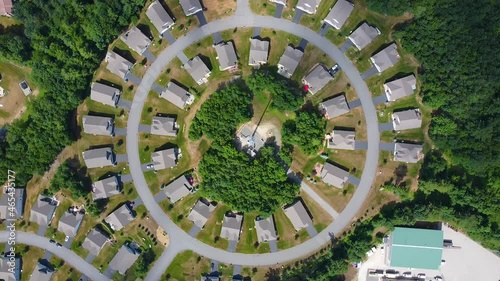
{"x": 164, "y": 159}
{"x": 282, "y": 2}
{"x": 95, "y": 241}
{"x": 104, "y": 94}
{"x": 191, "y": 7}
{"x": 226, "y": 55}
{"x": 334, "y": 107}
{"x": 124, "y": 259}
{"x": 118, "y": 65}
{"x": 333, "y": 175}
{"x": 408, "y": 119}
{"x": 407, "y": 152}
{"x": 198, "y": 70}
{"x": 400, "y": 88}
{"x": 231, "y": 227}
{"x": 363, "y": 35}
{"x": 177, "y": 95}
{"x": 341, "y": 139}
{"x": 97, "y": 125}
{"x": 99, "y": 157}
{"x": 210, "y": 278}
{"x": 289, "y": 61}
{"x": 7, "y": 273}
{"x": 18, "y": 195}
{"x": 120, "y": 217}
{"x": 164, "y": 126}
{"x": 308, "y": 6}
{"x": 339, "y": 13}
{"x": 298, "y": 215}
{"x": 317, "y": 78}
{"x": 43, "y": 210}
{"x": 178, "y": 189}
{"x": 136, "y": 40}
{"x": 159, "y": 17}
{"x": 200, "y": 213}
{"x": 259, "y": 50}
{"x": 70, "y": 223}
{"x": 41, "y": 273}
{"x": 266, "y": 230}
{"x": 386, "y": 58}
{"x": 105, "y": 188}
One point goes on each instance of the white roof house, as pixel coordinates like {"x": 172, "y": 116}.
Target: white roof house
{"x": 289, "y": 61}
{"x": 201, "y": 212}
{"x": 317, "y": 78}
{"x": 159, "y": 17}
{"x": 95, "y": 241}
{"x": 400, "y": 88}
{"x": 333, "y": 175}
{"x": 342, "y": 139}
{"x": 407, "y": 152}
{"x": 177, "y": 95}
{"x": 105, "y": 188}
{"x": 191, "y": 7}
{"x": 408, "y": 119}
{"x": 43, "y": 210}
{"x": 308, "y": 6}
{"x": 266, "y": 230}
{"x": 363, "y": 35}
{"x": 298, "y": 215}
{"x": 99, "y": 157}
{"x": 334, "y": 107}
{"x": 104, "y": 94}
{"x": 231, "y": 227}
{"x": 164, "y": 126}
{"x": 118, "y": 65}
{"x": 136, "y": 40}
{"x": 70, "y": 222}
{"x": 259, "y": 50}
{"x": 386, "y": 58}
{"x": 226, "y": 55}
{"x": 198, "y": 70}
{"x": 282, "y": 2}
{"x": 120, "y": 218}
{"x": 178, "y": 189}
{"x": 164, "y": 159}
{"x": 98, "y": 125}
{"x": 10, "y": 270}
{"x": 124, "y": 259}
{"x": 7, "y": 211}
{"x": 339, "y": 13}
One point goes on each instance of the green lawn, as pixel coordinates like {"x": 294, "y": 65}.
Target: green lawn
{"x": 248, "y": 243}
{"x": 210, "y": 234}
{"x": 187, "y": 266}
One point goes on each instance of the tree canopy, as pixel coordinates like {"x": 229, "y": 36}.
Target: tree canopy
{"x": 306, "y": 131}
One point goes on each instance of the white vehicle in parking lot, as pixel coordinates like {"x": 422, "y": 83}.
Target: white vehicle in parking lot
{"x": 421, "y": 276}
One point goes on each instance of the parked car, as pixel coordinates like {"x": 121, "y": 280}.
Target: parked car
{"x": 52, "y": 241}
{"x": 59, "y": 245}
{"x": 149, "y": 166}
{"x": 66, "y": 239}
{"x": 407, "y": 274}
{"x": 421, "y": 276}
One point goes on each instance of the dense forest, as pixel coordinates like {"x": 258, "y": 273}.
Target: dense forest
{"x": 306, "y": 131}
{"x": 63, "y": 42}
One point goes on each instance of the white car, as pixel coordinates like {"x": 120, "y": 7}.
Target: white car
{"x": 421, "y": 276}
{"x": 66, "y": 239}
{"x": 438, "y": 278}
{"x": 407, "y": 274}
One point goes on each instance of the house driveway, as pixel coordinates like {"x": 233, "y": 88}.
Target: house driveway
{"x": 121, "y": 158}
{"x": 369, "y": 73}
{"x": 385, "y": 127}
{"x": 386, "y": 146}
{"x": 347, "y": 44}
{"x": 279, "y": 11}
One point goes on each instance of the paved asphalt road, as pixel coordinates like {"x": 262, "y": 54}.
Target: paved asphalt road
{"x": 180, "y": 240}
{"x": 64, "y": 253}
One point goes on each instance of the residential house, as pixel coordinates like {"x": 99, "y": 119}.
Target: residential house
{"x": 118, "y": 65}
{"x": 259, "y": 50}
{"x": 214, "y": 277}
{"x": 104, "y": 94}
{"x": 316, "y": 79}
{"x": 70, "y": 222}
{"x": 105, "y": 188}
{"x": 298, "y": 215}
{"x": 339, "y": 13}
{"x": 198, "y": 70}
{"x": 95, "y": 241}
{"x": 177, "y": 95}
{"x": 16, "y": 196}
{"x": 266, "y": 230}
{"x": 42, "y": 272}
{"x": 99, "y": 157}
{"x": 226, "y": 55}
{"x": 43, "y": 210}
{"x": 178, "y": 189}
{"x": 165, "y": 159}
{"x": 191, "y": 7}
{"x": 341, "y": 139}
{"x": 9, "y": 273}
{"x": 164, "y": 126}
{"x": 136, "y": 40}
{"x": 281, "y": 2}
{"x": 400, "y": 88}
{"x": 333, "y": 175}
{"x": 231, "y": 227}
{"x": 97, "y": 125}
{"x": 6, "y": 8}
{"x": 386, "y": 58}
{"x": 161, "y": 20}
{"x": 363, "y": 35}
{"x": 334, "y": 107}
{"x": 124, "y": 259}
{"x": 120, "y": 217}
{"x": 407, "y": 119}
{"x": 200, "y": 213}
{"x": 289, "y": 61}
{"x": 407, "y": 152}
{"x": 308, "y": 6}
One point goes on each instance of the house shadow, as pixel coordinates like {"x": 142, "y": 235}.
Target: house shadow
{"x": 146, "y": 30}
{"x": 337, "y": 165}
{"x": 398, "y": 75}
{"x": 342, "y": 128}
{"x": 111, "y": 84}
{"x": 126, "y": 54}
{"x": 206, "y": 60}
{"x": 167, "y": 145}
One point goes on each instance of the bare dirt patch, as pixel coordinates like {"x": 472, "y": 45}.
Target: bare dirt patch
{"x": 217, "y": 9}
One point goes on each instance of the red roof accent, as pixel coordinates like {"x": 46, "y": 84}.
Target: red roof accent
{"x": 306, "y": 87}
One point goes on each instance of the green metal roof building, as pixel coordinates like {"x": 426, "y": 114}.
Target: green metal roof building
{"x": 416, "y": 248}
